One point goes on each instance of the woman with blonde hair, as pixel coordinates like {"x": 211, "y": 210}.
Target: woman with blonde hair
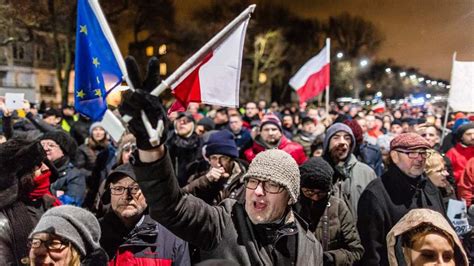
{"x": 66, "y": 235}
{"x": 437, "y": 172}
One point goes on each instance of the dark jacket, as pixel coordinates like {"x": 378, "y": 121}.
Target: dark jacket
{"x": 223, "y": 231}
{"x": 243, "y": 140}
{"x": 72, "y": 181}
{"x": 370, "y": 155}
{"x": 305, "y": 139}
{"x": 183, "y": 151}
{"x": 148, "y": 243}
{"x": 334, "y": 226}
{"x": 213, "y": 193}
{"x": 384, "y": 202}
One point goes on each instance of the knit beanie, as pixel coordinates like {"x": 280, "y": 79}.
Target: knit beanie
{"x": 94, "y": 125}
{"x": 332, "y": 130}
{"x": 316, "y": 173}
{"x": 462, "y": 129}
{"x": 66, "y": 143}
{"x": 279, "y": 167}
{"x": 74, "y": 224}
{"x": 356, "y": 130}
{"x": 222, "y": 142}
{"x": 271, "y": 119}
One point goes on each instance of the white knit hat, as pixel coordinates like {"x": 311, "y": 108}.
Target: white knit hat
{"x": 277, "y": 166}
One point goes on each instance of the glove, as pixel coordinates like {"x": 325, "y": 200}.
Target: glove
{"x": 141, "y": 99}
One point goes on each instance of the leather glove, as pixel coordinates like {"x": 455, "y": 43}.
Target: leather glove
{"x": 141, "y": 99}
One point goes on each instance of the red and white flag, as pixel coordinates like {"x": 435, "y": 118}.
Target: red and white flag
{"x": 212, "y": 75}
{"x": 313, "y": 77}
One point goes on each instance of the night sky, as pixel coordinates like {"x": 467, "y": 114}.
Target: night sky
{"x": 419, "y": 33}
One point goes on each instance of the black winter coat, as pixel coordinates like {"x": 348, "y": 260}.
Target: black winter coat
{"x": 384, "y": 202}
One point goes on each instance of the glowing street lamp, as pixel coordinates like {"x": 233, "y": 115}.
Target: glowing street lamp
{"x": 388, "y": 70}
{"x": 421, "y": 79}
{"x": 403, "y": 74}
{"x": 340, "y": 55}
{"x": 364, "y": 62}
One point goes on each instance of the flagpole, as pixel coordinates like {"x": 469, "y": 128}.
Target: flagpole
{"x": 328, "y": 44}
{"x": 447, "y": 105}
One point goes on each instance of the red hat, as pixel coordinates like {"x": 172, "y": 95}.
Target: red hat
{"x": 271, "y": 118}
{"x": 409, "y": 141}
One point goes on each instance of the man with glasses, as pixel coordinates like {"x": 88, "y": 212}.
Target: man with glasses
{"x": 129, "y": 234}
{"x": 401, "y": 188}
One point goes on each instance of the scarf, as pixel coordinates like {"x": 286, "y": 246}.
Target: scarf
{"x": 41, "y": 189}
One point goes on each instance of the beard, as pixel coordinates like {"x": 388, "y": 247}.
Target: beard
{"x": 339, "y": 153}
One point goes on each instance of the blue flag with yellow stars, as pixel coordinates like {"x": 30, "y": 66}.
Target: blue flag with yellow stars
{"x": 96, "y": 67}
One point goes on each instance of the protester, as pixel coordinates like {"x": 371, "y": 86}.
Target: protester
{"x": 70, "y": 187}
{"x": 271, "y": 137}
{"x": 222, "y": 174}
{"x": 66, "y": 235}
{"x": 329, "y": 217}
{"x": 204, "y": 125}
{"x": 19, "y": 209}
{"x": 96, "y": 143}
{"x": 432, "y": 135}
{"x": 307, "y": 134}
{"x": 68, "y": 117}
{"x": 126, "y": 146}
{"x": 129, "y": 234}
{"x": 288, "y": 126}
{"x": 438, "y": 174}
{"x": 221, "y": 119}
{"x": 401, "y": 188}
{"x": 251, "y": 115}
{"x": 463, "y": 151}
{"x": 184, "y": 146}
{"x": 466, "y": 183}
{"x": 350, "y": 175}
{"x": 242, "y": 136}
{"x": 424, "y": 237}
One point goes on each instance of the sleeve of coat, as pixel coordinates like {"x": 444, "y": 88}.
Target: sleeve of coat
{"x": 202, "y": 188}
{"x": 76, "y": 189}
{"x": 6, "y": 252}
{"x": 186, "y": 216}
{"x": 352, "y": 250}
{"x": 181, "y": 253}
{"x": 371, "y": 226}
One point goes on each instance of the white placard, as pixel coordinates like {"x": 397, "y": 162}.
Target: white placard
{"x": 112, "y": 125}
{"x": 458, "y": 215}
{"x": 14, "y": 101}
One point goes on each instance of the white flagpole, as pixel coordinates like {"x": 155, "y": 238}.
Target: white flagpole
{"x": 447, "y": 104}
{"x": 328, "y": 44}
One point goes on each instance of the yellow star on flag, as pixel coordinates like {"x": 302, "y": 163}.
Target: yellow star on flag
{"x": 83, "y": 29}
{"x": 98, "y": 92}
{"x": 95, "y": 61}
{"x": 81, "y": 94}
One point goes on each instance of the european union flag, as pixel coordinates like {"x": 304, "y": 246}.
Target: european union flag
{"x": 96, "y": 66}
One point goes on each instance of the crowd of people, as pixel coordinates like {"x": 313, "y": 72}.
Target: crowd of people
{"x": 257, "y": 185}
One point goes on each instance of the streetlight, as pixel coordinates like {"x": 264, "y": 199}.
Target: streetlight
{"x": 340, "y": 55}
{"x": 421, "y": 79}
{"x": 403, "y": 74}
{"x": 413, "y": 76}
{"x": 388, "y": 70}
{"x": 364, "y": 62}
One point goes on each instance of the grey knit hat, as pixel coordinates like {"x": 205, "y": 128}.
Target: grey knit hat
{"x": 332, "y": 130}
{"x": 74, "y": 224}
{"x": 277, "y": 166}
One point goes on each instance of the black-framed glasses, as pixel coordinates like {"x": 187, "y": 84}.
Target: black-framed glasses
{"x": 268, "y": 186}
{"x": 311, "y": 192}
{"x": 50, "y": 244}
{"x": 119, "y": 190}
{"x": 415, "y": 154}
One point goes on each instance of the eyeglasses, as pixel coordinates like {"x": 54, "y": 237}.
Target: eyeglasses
{"x": 50, "y": 244}
{"x": 129, "y": 147}
{"x": 268, "y": 186}
{"x": 119, "y": 190}
{"x": 311, "y": 192}
{"x": 415, "y": 154}
{"x": 49, "y": 145}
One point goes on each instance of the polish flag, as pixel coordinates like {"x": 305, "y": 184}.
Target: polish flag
{"x": 313, "y": 77}
{"x": 212, "y": 75}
